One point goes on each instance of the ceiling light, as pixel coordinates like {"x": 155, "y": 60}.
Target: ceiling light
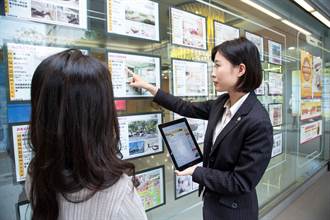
{"x": 321, "y": 18}
{"x": 305, "y": 5}
{"x": 291, "y": 48}
{"x": 260, "y": 8}
{"x": 296, "y": 27}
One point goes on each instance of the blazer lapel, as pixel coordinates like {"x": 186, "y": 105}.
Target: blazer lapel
{"x": 242, "y": 111}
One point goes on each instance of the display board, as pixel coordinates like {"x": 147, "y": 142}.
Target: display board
{"x": 274, "y": 52}
{"x": 306, "y": 74}
{"x": 184, "y": 185}
{"x": 310, "y": 109}
{"x": 139, "y": 135}
{"x": 152, "y": 187}
{"x": 275, "y": 113}
{"x": 277, "y": 144}
{"x": 148, "y": 67}
{"x": 224, "y": 32}
{"x": 72, "y": 13}
{"x": 22, "y": 61}
{"x": 258, "y": 41}
{"x": 310, "y": 131}
{"x": 188, "y": 29}
{"x": 317, "y": 77}
{"x": 22, "y": 150}
{"x": 275, "y": 83}
{"x": 189, "y": 78}
{"x": 139, "y": 18}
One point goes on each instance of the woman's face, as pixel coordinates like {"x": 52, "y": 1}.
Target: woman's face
{"x": 225, "y": 75}
{"x": 306, "y": 70}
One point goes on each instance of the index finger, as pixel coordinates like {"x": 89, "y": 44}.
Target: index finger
{"x": 130, "y": 73}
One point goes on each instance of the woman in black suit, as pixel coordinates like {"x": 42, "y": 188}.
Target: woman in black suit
{"x": 239, "y": 136}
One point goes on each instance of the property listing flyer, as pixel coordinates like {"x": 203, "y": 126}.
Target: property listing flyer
{"x": 258, "y": 41}
{"x": 22, "y": 151}
{"x": 310, "y": 131}
{"x": 189, "y": 78}
{"x": 139, "y": 135}
{"x": 274, "y": 52}
{"x": 151, "y": 188}
{"x": 223, "y": 32}
{"x": 188, "y": 29}
{"x": 133, "y": 18}
{"x": 310, "y": 109}
{"x": 277, "y": 146}
{"x": 147, "y": 67}
{"x": 317, "y": 77}
{"x": 275, "y": 113}
{"x": 306, "y": 74}
{"x": 22, "y": 61}
{"x": 275, "y": 83}
{"x": 71, "y": 13}
{"x": 184, "y": 185}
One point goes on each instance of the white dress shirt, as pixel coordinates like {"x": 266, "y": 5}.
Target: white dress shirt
{"x": 227, "y": 115}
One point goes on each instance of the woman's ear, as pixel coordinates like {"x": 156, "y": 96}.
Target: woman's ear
{"x": 241, "y": 69}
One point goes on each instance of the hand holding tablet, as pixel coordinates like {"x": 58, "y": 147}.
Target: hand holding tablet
{"x": 181, "y": 143}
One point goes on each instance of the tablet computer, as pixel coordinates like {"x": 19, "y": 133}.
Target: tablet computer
{"x": 181, "y": 143}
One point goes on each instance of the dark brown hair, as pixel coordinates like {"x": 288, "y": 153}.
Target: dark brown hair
{"x": 74, "y": 131}
{"x": 242, "y": 51}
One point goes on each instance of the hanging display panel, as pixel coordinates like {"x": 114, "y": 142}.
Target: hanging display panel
{"x": 22, "y": 61}
{"x": 139, "y": 18}
{"x": 310, "y": 109}
{"x": 275, "y": 83}
{"x": 275, "y": 113}
{"x": 189, "y": 78}
{"x": 152, "y": 187}
{"x": 148, "y": 67}
{"x": 22, "y": 150}
{"x": 139, "y": 135}
{"x": 317, "y": 77}
{"x": 188, "y": 29}
{"x": 224, "y": 32}
{"x": 277, "y": 145}
{"x": 310, "y": 131}
{"x": 306, "y": 74}
{"x": 274, "y": 52}
{"x": 258, "y": 41}
{"x": 184, "y": 185}
{"x": 71, "y": 13}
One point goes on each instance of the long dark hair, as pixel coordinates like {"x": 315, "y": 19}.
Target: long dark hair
{"x": 74, "y": 131}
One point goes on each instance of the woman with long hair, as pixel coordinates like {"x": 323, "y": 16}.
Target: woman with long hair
{"x": 76, "y": 171}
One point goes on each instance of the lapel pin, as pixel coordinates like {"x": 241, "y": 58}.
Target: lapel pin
{"x": 239, "y": 118}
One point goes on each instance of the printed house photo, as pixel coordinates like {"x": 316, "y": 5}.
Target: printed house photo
{"x": 143, "y": 136}
{"x": 193, "y": 33}
{"x": 67, "y": 15}
{"x": 147, "y": 70}
{"x": 43, "y": 11}
{"x": 140, "y": 16}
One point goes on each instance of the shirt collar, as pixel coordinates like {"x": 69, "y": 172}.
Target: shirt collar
{"x": 233, "y": 109}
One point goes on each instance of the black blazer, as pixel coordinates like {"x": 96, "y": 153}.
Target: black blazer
{"x": 234, "y": 165}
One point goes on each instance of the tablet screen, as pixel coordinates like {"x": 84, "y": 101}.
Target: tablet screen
{"x": 182, "y": 146}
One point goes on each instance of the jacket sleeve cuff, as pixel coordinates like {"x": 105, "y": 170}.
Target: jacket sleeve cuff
{"x": 158, "y": 95}
{"x": 197, "y": 175}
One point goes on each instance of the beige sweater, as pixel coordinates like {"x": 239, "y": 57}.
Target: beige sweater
{"x": 118, "y": 202}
